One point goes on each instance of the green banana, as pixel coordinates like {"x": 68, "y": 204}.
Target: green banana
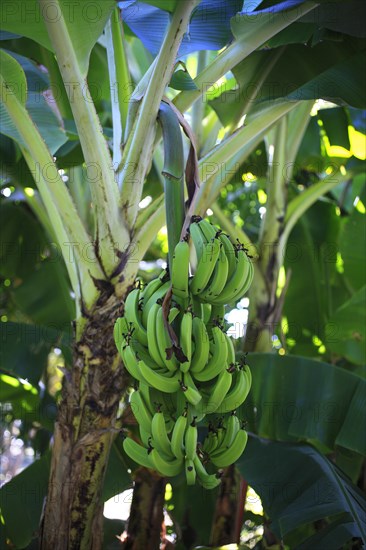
{"x": 190, "y": 440}
{"x": 205, "y": 266}
{"x": 180, "y": 270}
{"x": 133, "y": 315}
{"x": 177, "y": 437}
{"x": 208, "y": 230}
{"x": 137, "y": 452}
{"x": 167, "y": 468}
{"x": 153, "y": 286}
{"x": 186, "y": 339}
{"x": 218, "y": 392}
{"x": 120, "y": 329}
{"x": 157, "y": 380}
{"x": 218, "y": 279}
{"x": 163, "y": 342}
{"x": 202, "y": 345}
{"x": 158, "y": 295}
{"x": 152, "y": 335}
{"x": 190, "y": 471}
{"x": 218, "y": 359}
{"x": 230, "y": 251}
{"x": 223, "y": 457}
{"x": 232, "y": 426}
{"x": 130, "y": 360}
{"x": 239, "y": 282}
{"x": 208, "y": 481}
{"x": 191, "y": 393}
{"x": 230, "y": 350}
{"x": 141, "y": 411}
{"x": 237, "y": 393}
{"x": 159, "y": 434}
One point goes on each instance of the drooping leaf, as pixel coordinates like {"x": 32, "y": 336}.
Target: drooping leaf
{"x": 352, "y": 245}
{"x": 42, "y": 115}
{"x": 298, "y": 485}
{"x": 349, "y": 324}
{"x": 296, "y": 399}
{"x": 335, "y": 123}
{"x": 23, "y": 497}
{"x": 25, "y": 348}
{"x": 209, "y": 27}
{"x": 85, "y": 22}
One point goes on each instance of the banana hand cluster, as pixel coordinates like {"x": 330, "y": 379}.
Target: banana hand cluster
{"x": 183, "y": 360}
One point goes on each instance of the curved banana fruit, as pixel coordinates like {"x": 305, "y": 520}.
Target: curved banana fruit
{"x": 190, "y": 471}
{"x": 202, "y": 345}
{"x": 218, "y": 392}
{"x": 133, "y": 315}
{"x": 218, "y": 279}
{"x": 237, "y": 394}
{"x": 167, "y": 468}
{"x": 205, "y": 266}
{"x": 159, "y": 434}
{"x": 186, "y": 339}
{"x": 218, "y": 361}
{"x": 208, "y": 481}
{"x": 163, "y": 342}
{"x": 157, "y": 380}
{"x": 180, "y": 269}
{"x": 141, "y": 410}
{"x": 191, "y": 393}
{"x": 152, "y": 335}
{"x": 177, "y": 437}
{"x": 224, "y": 457}
{"x": 190, "y": 440}
{"x": 137, "y": 452}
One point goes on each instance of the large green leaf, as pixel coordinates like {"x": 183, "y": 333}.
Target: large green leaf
{"x": 298, "y": 486}
{"x": 23, "y": 496}
{"x": 40, "y": 112}
{"x": 349, "y": 329}
{"x": 352, "y": 245}
{"x": 25, "y": 348}
{"x": 295, "y": 399}
{"x": 85, "y": 22}
{"x": 311, "y": 255}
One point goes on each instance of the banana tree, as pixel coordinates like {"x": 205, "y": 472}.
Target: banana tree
{"x": 84, "y": 88}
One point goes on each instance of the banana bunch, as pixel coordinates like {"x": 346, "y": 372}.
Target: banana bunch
{"x": 183, "y": 361}
{"x": 224, "y": 271}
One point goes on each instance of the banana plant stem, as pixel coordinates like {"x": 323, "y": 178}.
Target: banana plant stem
{"x": 141, "y": 138}
{"x": 173, "y": 176}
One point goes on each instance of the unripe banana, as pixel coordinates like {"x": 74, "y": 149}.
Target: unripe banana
{"x": 202, "y": 345}
{"x": 208, "y": 481}
{"x": 158, "y": 295}
{"x": 237, "y": 393}
{"x": 130, "y": 360}
{"x": 186, "y": 339}
{"x": 218, "y": 279}
{"x": 177, "y": 437}
{"x": 167, "y": 468}
{"x": 191, "y": 393}
{"x": 180, "y": 270}
{"x": 137, "y": 452}
{"x": 120, "y": 331}
{"x": 158, "y": 380}
{"x": 190, "y": 440}
{"x": 159, "y": 434}
{"x": 218, "y": 360}
{"x": 218, "y": 392}
{"x": 152, "y": 335}
{"x": 224, "y": 457}
{"x": 141, "y": 411}
{"x": 163, "y": 342}
{"x": 230, "y": 251}
{"x": 133, "y": 315}
{"x": 205, "y": 266}
{"x": 190, "y": 471}
{"x": 232, "y": 426}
